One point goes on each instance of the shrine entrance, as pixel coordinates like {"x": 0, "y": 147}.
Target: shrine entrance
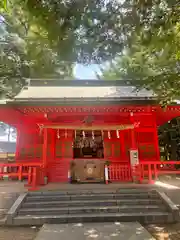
{"x": 88, "y": 144}
{"x": 88, "y": 156}
{"x": 79, "y": 153}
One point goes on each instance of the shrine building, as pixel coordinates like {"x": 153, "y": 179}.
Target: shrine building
{"x": 75, "y": 128}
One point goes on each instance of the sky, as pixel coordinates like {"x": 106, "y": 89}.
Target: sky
{"x": 86, "y": 72}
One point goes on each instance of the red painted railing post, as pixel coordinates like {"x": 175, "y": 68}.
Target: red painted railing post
{"x": 34, "y": 180}
{"x": 150, "y": 174}
{"x": 20, "y": 173}
{"x": 140, "y": 172}
{"x": 155, "y": 172}
{"x": 29, "y": 175}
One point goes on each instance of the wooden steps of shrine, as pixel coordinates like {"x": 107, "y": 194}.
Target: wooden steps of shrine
{"x": 127, "y": 205}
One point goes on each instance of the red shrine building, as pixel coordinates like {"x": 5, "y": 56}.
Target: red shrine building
{"x": 75, "y": 128}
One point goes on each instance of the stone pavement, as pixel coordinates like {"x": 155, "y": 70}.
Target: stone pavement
{"x": 91, "y": 231}
{"x": 165, "y": 232}
{"x": 9, "y": 191}
{"x": 159, "y": 232}
{"x": 18, "y": 233}
{"x": 172, "y": 192}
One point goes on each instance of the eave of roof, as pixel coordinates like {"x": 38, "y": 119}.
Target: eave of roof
{"x": 82, "y": 102}
{"x": 89, "y": 82}
{"x": 66, "y": 92}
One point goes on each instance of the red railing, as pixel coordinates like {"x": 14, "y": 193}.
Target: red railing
{"x": 146, "y": 171}
{"x": 33, "y": 172}
{"x": 119, "y": 172}
{"x": 150, "y": 170}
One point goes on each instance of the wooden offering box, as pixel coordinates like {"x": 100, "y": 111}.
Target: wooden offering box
{"x": 89, "y": 170}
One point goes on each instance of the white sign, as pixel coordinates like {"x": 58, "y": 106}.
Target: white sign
{"x": 134, "y": 158}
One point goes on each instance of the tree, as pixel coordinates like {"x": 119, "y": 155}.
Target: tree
{"x": 25, "y": 53}
{"x": 89, "y": 31}
{"x": 155, "y": 70}
{"x": 153, "y": 56}
{"x": 81, "y": 31}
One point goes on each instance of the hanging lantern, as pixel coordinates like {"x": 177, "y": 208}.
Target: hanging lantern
{"x": 117, "y": 133}
{"x": 58, "y": 134}
{"x": 109, "y": 134}
{"x": 93, "y": 135}
{"x": 83, "y": 133}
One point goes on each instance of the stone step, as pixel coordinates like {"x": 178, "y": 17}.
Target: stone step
{"x": 43, "y": 204}
{"x": 90, "y": 196}
{"x": 90, "y": 209}
{"x": 151, "y": 217}
{"x": 108, "y": 202}
{"x": 95, "y": 191}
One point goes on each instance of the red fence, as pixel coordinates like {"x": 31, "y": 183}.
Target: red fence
{"x": 150, "y": 170}
{"x": 119, "y": 172}
{"x": 33, "y": 172}
{"x": 146, "y": 171}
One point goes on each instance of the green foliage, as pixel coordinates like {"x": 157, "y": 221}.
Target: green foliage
{"x": 47, "y": 37}
{"x": 81, "y": 31}
{"x": 25, "y": 52}
{"x": 153, "y": 55}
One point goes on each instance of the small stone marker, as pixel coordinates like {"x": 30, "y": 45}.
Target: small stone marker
{"x": 97, "y": 231}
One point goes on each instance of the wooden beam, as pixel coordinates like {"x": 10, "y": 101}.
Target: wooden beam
{"x": 93, "y": 127}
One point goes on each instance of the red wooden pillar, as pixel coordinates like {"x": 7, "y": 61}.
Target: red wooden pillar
{"x": 113, "y": 152}
{"x": 53, "y": 143}
{"x": 156, "y": 142}
{"x": 45, "y": 143}
{"x": 132, "y": 131}
{"x": 122, "y": 144}
{"x": 104, "y": 145}
{"x": 133, "y": 151}
{"x": 18, "y": 144}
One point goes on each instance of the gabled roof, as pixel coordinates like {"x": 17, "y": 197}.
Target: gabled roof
{"x": 69, "y": 90}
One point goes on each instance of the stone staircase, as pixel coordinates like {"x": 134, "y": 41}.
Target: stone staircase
{"x": 125, "y": 205}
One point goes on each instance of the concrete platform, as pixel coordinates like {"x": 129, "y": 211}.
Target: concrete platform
{"x": 100, "y": 231}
